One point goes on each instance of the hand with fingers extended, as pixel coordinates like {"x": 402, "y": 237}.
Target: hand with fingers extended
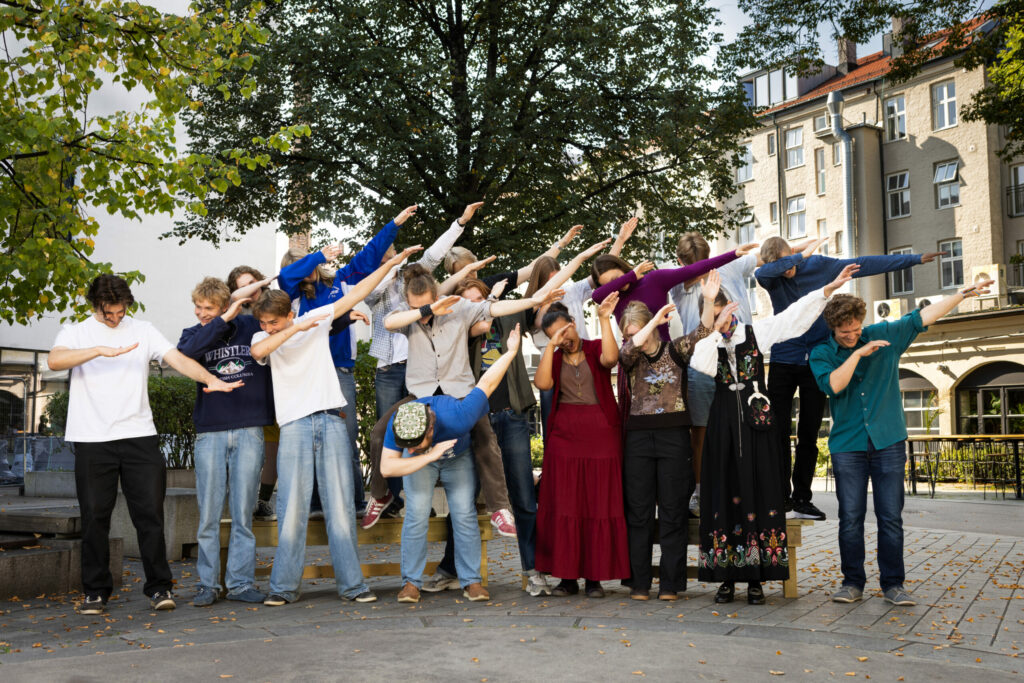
{"x": 664, "y": 314}
{"x": 745, "y": 249}
{"x": 607, "y": 307}
{"x": 711, "y": 285}
{"x": 559, "y": 336}
{"x": 406, "y": 214}
{"x": 932, "y": 255}
{"x": 444, "y": 306}
{"x": 499, "y": 288}
{"x": 220, "y": 385}
{"x": 467, "y": 214}
{"x": 542, "y": 298}
{"x": 401, "y": 256}
{"x": 309, "y": 322}
{"x": 439, "y": 449}
{"x": 477, "y": 265}
{"x": 569, "y": 236}
{"x": 111, "y": 352}
{"x": 871, "y": 347}
{"x": 979, "y": 288}
{"x": 724, "y": 319}
{"x": 643, "y": 267}
{"x": 514, "y": 338}
{"x": 332, "y": 251}
{"x": 845, "y": 276}
{"x": 626, "y": 229}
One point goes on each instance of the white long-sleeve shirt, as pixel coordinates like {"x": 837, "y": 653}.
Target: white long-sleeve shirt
{"x": 576, "y": 294}
{"x": 791, "y": 323}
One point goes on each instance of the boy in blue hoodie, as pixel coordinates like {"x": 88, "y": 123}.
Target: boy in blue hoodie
{"x": 787, "y": 276}
{"x": 229, "y": 441}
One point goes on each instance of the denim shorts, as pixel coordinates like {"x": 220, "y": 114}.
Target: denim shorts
{"x": 701, "y": 390}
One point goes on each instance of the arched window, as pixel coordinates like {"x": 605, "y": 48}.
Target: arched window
{"x": 990, "y": 400}
{"x": 920, "y": 403}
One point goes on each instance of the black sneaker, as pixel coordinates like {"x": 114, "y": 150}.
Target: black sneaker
{"x": 805, "y": 509}
{"x": 276, "y": 600}
{"x": 93, "y": 604}
{"x": 162, "y": 600}
{"x": 264, "y": 511}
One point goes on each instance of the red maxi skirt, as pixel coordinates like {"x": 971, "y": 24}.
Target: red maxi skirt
{"x": 581, "y": 524}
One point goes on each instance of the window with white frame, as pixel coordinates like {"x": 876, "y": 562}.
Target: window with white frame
{"x": 902, "y": 281}
{"x": 897, "y": 188}
{"x": 837, "y": 153}
{"x": 771, "y": 144}
{"x": 951, "y": 265}
{"x": 821, "y": 122}
{"x": 746, "y": 169}
{"x": 822, "y": 228}
{"x": 773, "y": 212}
{"x": 819, "y": 169}
{"x": 947, "y": 184}
{"x": 794, "y": 147}
{"x": 944, "y": 105}
{"x": 1015, "y": 193}
{"x": 761, "y": 90}
{"x": 795, "y": 217}
{"x": 920, "y": 410}
{"x": 838, "y": 243}
{"x": 745, "y": 235}
{"x": 895, "y": 118}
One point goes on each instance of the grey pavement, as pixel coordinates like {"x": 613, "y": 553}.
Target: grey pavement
{"x": 965, "y": 565}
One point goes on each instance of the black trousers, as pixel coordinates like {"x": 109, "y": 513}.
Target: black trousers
{"x": 140, "y": 467}
{"x": 656, "y": 470}
{"x": 783, "y": 381}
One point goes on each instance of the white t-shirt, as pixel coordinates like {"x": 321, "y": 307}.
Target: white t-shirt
{"x": 109, "y": 398}
{"x": 305, "y": 381}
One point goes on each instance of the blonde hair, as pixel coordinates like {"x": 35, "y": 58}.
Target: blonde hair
{"x": 324, "y": 274}
{"x": 213, "y": 290}
{"x": 636, "y": 313}
{"x": 454, "y": 256}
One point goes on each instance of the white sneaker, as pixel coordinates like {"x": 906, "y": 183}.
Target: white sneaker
{"x": 439, "y": 582}
{"x": 695, "y": 504}
{"x": 537, "y": 585}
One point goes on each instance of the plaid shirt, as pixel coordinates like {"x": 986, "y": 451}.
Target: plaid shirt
{"x": 390, "y": 347}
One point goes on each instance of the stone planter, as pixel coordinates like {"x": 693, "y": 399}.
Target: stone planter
{"x": 50, "y": 484}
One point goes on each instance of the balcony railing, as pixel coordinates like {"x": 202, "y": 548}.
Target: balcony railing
{"x": 989, "y": 462}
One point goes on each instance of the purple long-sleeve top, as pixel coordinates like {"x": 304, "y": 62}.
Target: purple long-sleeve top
{"x": 653, "y": 287}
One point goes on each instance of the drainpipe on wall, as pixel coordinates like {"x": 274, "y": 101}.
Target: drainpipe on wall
{"x": 835, "y": 110}
{"x": 881, "y": 165}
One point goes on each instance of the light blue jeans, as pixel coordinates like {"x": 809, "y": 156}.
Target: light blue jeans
{"x": 347, "y": 380}
{"x": 227, "y": 463}
{"x": 458, "y": 477}
{"x": 315, "y": 445}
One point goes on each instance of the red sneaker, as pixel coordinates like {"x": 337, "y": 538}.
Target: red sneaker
{"x": 504, "y": 523}
{"x": 374, "y": 509}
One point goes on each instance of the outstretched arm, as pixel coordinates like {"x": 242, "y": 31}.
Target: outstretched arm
{"x": 930, "y": 314}
{"x": 449, "y": 285}
{"x": 625, "y": 232}
{"x": 434, "y": 254}
{"x": 526, "y": 271}
{"x": 392, "y": 464}
{"x": 268, "y": 345}
{"x": 251, "y": 291}
{"x": 63, "y": 358}
{"x": 609, "y": 349}
{"x": 490, "y": 380}
{"x": 560, "y": 278}
{"x": 193, "y": 370}
{"x": 367, "y": 284}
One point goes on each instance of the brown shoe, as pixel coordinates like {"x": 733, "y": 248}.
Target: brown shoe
{"x": 409, "y": 593}
{"x": 671, "y": 597}
{"x": 475, "y": 592}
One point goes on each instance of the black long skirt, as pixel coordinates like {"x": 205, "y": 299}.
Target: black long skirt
{"x": 742, "y": 516}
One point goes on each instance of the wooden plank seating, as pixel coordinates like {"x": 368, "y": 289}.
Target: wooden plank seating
{"x": 794, "y": 533}
{"x": 385, "y": 531}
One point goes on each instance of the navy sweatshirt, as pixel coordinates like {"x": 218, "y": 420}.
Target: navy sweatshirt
{"x": 814, "y": 273}
{"x": 223, "y": 349}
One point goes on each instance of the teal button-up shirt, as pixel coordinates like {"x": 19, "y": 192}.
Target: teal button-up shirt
{"x": 870, "y": 406}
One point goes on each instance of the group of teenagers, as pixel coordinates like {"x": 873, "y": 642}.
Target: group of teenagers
{"x": 698, "y": 425}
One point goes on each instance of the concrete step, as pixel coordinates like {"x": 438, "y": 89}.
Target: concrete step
{"x": 12, "y": 541}
{"x": 54, "y": 566}
{"x": 52, "y": 521}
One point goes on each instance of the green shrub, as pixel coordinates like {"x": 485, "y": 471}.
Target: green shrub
{"x": 536, "y": 450}
{"x": 821, "y": 469}
{"x": 171, "y": 399}
{"x": 366, "y": 398}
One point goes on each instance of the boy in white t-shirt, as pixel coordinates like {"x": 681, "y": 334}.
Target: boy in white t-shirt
{"x": 307, "y": 401}
{"x": 111, "y": 426}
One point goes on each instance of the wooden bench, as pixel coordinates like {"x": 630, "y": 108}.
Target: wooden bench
{"x": 385, "y": 531}
{"x": 794, "y": 539}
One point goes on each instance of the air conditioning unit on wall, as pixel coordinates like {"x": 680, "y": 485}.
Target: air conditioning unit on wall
{"x": 888, "y": 310}
{"x": 922, "y": 301}
{"x": 992, "y": 271}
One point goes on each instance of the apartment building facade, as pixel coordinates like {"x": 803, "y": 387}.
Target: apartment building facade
{"x": 919, "y": 179}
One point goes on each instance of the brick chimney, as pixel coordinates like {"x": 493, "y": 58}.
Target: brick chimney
{"x": 847, "y": 61}
{"x": 900, "y": 43}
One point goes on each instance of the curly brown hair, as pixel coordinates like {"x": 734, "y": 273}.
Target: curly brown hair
{"x": 107, "y": 290}
{"x": 239, "y": 271}
{"x": 842, "y": 308}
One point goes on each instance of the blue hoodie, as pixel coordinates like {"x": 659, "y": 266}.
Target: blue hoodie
{"x": 223, "y": 349}
{"x": 361, "y": 265}
{"x": 814, "y": 273}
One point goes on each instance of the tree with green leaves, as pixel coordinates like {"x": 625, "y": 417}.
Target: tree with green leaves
{"x": 554, "y": 112}
{"x": 61, "y": 163}
{"x": 788, "y": 32}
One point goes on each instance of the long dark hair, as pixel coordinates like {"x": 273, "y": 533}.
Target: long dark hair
{"x": 557, "y": 311}
{"x": 605, "y": 262}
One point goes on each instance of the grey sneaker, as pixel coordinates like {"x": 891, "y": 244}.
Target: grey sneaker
{"x": 537, "y": 585}
{"x": 93, "y": 604}
{"x": 264, "y": 511}
{"x": 248, "y": 594}
{"x": 897, "y": 596}
{"x": 365, "y": 596}
{"x": 847, "y": 594}
{"x": 162, "y": 600}
{"x": 204, "y": 597}
{"x": 440, "y": 582}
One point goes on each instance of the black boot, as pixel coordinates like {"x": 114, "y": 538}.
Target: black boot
{"x": 755, "y": 594}
{"x": 726, "y": 592}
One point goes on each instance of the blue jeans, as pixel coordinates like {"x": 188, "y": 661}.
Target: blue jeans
{"x": 389, "y": 383}
{"x": 885, "y": 468}
{"x": 317, "y": 443}
{"x": 458, "y": 477}
{"x": 227, "y": 462}
{"x": 347, "y": 380}
{"x": 513, "y": 433}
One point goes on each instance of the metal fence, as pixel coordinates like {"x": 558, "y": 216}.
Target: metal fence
{"x": 990, "y": 462}
{"x": 34, "y": 453}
